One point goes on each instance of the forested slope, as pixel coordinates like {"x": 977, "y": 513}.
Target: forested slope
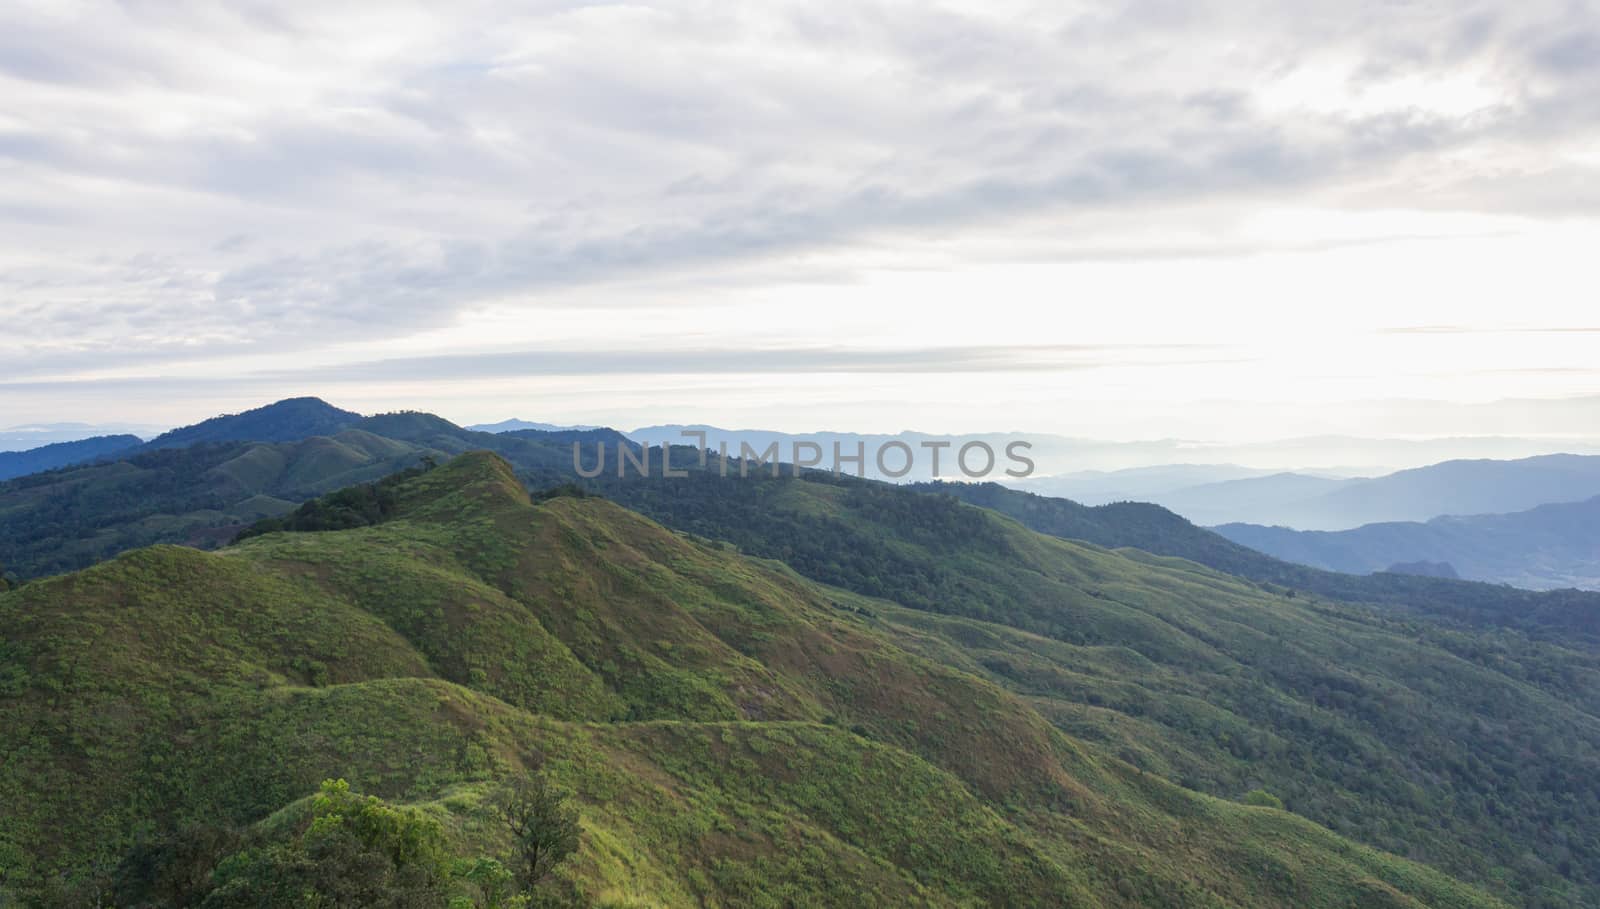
{"x": 733, "y": 734}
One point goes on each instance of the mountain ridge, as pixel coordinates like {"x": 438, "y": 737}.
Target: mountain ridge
{"x": 742, "y": 736}
{"x": 1455, "y": 487}
{"x": 1548, "y": 547}
{"x": 1559, "y": 614}
{"x": 281, "y": 421}
{"x": 64, "y": 454}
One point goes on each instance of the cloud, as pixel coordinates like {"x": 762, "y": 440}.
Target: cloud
{"x": 699, "y": 361}
{"x": 771, "y": 361}
{"x": 190, "y": 180}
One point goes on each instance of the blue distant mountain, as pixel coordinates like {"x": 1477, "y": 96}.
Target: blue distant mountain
{"x": 1543, "y": 548}
{"x": 1465, "y": 487}
{"x": 521, "y": 425}
{"x": 63, "y": 454}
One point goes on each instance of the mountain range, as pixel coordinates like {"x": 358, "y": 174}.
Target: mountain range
{"x": 734, "y": 734}
{"x": 1080, "y": 461}
{"x": 1550, "y": 546}
{"x": 760, "y": 691}
{"x": 62, "y": 454}
{"x": 1313, "y": 502}
{"x": 72, "y": 518}
{"x": 1133, "y": 484}
{"x": 200, "y": 485}
{"x": 520, "y": 425}
{"x": 1567, "y": 616}
{"x": 37, "y": 435}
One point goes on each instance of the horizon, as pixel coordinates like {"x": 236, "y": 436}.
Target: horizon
{"x": 1329, "y": 454}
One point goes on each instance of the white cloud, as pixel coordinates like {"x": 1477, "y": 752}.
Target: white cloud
{"x": 199, "y": 183}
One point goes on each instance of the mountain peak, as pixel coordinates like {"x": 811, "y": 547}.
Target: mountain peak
{"x": 468, "y": 482}
{"x": 282, "y": 421}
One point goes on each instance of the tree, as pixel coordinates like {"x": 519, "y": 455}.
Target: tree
{"x": 544, "y": 827}
{"x": 356, "y": 851}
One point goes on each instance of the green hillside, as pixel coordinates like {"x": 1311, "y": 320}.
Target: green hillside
{"x": 1558, "y": 615}
{"x": 732, "y": 734}
{"x": 201, "y": 493}
{"x": 69, "y": 519}
{"x": 1478, "y": 751}
{"x": 199, "y": 496}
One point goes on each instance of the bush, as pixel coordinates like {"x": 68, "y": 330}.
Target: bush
{"x": 1261, "y": 798}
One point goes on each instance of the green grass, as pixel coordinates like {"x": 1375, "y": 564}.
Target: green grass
{"x": 734, "y": 734}
{"x": 1476, "y": 751}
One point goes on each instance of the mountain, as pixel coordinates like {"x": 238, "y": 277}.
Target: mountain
{"x": 1464, "y": 487}
{"x": 1272, "y": 493}
{"x": 285, "y": 421}
{"x": 1564, "y": 615}
{"x": 1097, "y": 487}
{"x": 906, "y": 452}
{"x": 917, "y": 547}
{"x": 62, "y": 454}
{"x": 1375, "y": 456}
{"x": 199, "y": 495}
{"x": 548, "y": 454}
{"x": 57, "y": 523}
{"x": 1063, "y": 456}
{"x": 35, "y": 435}
{"x": 935, "y": 554}
{"x": 1449, "y": 488}
{"x": 1426, "y": 569}
{"x": 734, "y": 735}
{"x": 1543, "y": 548}
{"x": 515, "y": 425}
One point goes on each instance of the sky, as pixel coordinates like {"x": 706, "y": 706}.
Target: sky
{"x": 1225, "y": 221}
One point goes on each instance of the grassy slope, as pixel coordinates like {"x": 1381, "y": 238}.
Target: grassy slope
{"x": 1476, "y": 751}
{"x": 1559, "y": 615}
{"x": 736, "y": 735}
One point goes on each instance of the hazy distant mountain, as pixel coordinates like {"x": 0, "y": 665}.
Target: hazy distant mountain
{"x": 1307, "y": 502}
{"x": 520, "y": 425}
{"x": 1080, "y": 462}
{"x": 1547, "y": 547}
{"x": 1134, "y": 484}
{"x": 36, "y": 435}
{"x": 284, "y": 421}
{"x": 1048, "y": 452}
{"x": 1426, "y": 569}
{"x": 61, "y": 454}
{"x": 1272, "y": 494}
{"x": 1378, "y": 456}
{"x": 1467, "y": 487}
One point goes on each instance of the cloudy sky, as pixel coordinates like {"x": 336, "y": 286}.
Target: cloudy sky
{"x": 1228, "y": 220}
